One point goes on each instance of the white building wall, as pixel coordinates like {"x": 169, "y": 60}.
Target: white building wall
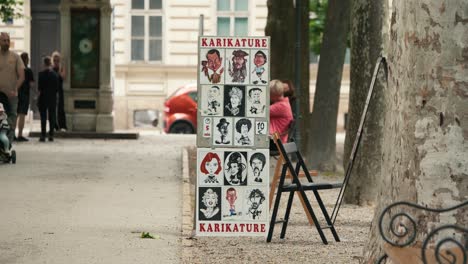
{"x": 139, "y": 86}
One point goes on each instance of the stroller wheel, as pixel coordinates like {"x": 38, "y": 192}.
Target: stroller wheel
{"x": 13, "y": 157}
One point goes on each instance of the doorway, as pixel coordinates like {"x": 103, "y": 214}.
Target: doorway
{"x": 45, "y": 37}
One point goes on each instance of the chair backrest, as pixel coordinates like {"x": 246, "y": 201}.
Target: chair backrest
{"x": 287, "y": 149}
{"x": 292, "y": 130}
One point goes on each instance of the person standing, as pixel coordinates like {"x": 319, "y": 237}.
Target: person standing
{"x": 23, "y": 96}
{"x": 59, "y": 68}
{"x": 48, "y": 85}
{"x": 12, "y": 77}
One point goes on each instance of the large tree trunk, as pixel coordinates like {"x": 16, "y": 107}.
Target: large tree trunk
{"x": 281, "y": 27}
{"x": 425, "y": 146}
{"x": 366, "y": 46}
{"x": 304, "y": 95}
{"x": 327, "y": 93}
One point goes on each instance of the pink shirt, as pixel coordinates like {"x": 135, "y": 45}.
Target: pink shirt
{"x": 280, "y": 118}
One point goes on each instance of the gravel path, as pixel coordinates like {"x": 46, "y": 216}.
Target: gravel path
{"x": 302, "y": 243}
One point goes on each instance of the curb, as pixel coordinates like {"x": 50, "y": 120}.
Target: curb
{"x": 91, "y": 135}
{"x": 187, "y": 208}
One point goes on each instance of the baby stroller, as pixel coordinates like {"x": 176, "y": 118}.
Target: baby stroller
{"x": 6, "y": 153}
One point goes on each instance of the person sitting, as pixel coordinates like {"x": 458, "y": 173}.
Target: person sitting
{"x": 290, "y": 92}
{"x": 4, "y": 130}
{"x": 280, "y": 112}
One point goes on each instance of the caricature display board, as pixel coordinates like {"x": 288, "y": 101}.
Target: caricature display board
{"x": 232, "y": 136}
{"x": 232, "y": 196}
{"x": 233, "y": 106}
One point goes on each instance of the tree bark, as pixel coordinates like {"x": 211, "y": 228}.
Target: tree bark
{"x": 327, "y": 93}
{"x": 281, "y": 27}
{"x": 426, "y": 123}
{"x": 304, "y": 111}
{"x": 366, "y": 47}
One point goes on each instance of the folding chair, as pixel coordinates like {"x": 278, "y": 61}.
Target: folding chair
{"x": 297, "y": 186}
{"x": 277, "y": 173}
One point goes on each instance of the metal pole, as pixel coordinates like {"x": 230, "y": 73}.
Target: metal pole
{"x": 298, "y": 73}
{"x": 200, "y": 25}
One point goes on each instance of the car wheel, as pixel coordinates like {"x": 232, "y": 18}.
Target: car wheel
{"x": 181, "y": 128}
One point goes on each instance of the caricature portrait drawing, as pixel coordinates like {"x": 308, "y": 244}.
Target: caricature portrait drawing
{"x": 259, "y": 61}
{"x": 256, "y": 102}
{"x": 235, "y": 169}
{"x": 255, "y": 199}
{"x": 238, "y": 67}
{"x": 213, "y": 101}
{"x": 257, "y": 163}
{"x": 223, "y": 134}
{"x": 212, "y": 68}
{"x": 210, "y": 202}
{"x": 231, "y": 197}
{"x": 234, "y": 101}
{"x": 211, "y": 166}
{"x": 244, "y": 133}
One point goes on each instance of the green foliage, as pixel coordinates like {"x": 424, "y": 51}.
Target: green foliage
{"x": 148, "y": 235}
{"x": 8, "y": 9}
{"x": 318, "y": 8}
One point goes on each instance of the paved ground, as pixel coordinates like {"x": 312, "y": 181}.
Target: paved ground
{"x": 302, "y": 243}
{"x": 87, "y": 201}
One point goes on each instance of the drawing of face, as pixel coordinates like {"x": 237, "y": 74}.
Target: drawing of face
{"x": 213, "y": 93}
{"x": 255, "y": 95}
{"x": 256, "y": 200}
{"x": 214, "y": 61}
{"x": 257, "y": 166}
{"x": 223, "y": 129}
{"x": 235, "y": 101}
{"x": 234, "y": 168}
{"x": 244, "y": 130}
{"x": 238, "y": 62}
{"x": 210, "y": 200}
{"x": 231, "y": 196}
{"x": 259, "y": 60}
{"x": 211, "y": 166}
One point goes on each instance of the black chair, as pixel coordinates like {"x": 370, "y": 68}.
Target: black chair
{"x": 287, "y": 150}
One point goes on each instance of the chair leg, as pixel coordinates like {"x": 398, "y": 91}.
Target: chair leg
{"x": 286, "y": 215}
{"x": 327, "y": 217}
{"x": 311, "y": 221}
{"x": 273, "y": 216}
{"x": 274, "y": 183}
{"x": 312, "y": 214}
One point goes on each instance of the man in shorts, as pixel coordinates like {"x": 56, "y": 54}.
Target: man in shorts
{"x": 23, "y": 96}
{"x": 12, "y": 76}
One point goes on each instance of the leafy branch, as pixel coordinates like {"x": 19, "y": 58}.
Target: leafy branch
{"x": 9, "y": 10}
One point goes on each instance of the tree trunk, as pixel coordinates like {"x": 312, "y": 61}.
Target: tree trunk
{"x": 327, "y": 93}
{"x": 366, "y": 47}
{"x": 426, "y": 122}
{"x": 304, "y": 95}
{"x": 281, "y": 27}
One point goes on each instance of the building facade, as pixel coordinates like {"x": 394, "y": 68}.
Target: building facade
{"x": 147, "y": 49}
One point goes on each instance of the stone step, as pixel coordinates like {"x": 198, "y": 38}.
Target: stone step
{"x": 90, "y": 135}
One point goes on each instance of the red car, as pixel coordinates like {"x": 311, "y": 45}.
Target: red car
{"x": 180, "y": 111}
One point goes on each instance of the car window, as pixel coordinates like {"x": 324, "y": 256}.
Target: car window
{"x": 194, "y": 96}
{"x": 175, "y": 92}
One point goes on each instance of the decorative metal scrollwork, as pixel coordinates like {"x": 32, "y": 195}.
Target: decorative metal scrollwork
{"x": 402, "y": 229}
{"x": 450, "y": 255}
